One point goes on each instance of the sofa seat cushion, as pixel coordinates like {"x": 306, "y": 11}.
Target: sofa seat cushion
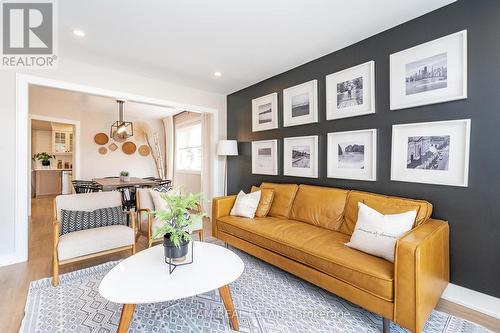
{"x": 89, "y": 241}
{"x": 316, "y": 247}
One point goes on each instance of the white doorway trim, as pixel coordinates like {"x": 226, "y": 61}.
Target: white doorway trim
{"x": 22, "y": 197}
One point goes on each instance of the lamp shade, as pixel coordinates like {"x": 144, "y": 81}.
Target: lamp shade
{"x": 227, "y": 148}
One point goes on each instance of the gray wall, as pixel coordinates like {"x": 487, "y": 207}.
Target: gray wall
{"x": 473, "y": 212}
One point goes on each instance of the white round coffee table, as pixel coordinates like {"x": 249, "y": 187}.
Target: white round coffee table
{"x": 144, "y": 278}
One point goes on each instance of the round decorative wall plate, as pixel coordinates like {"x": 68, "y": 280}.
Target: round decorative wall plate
{"x": 144, "y": 150}
{"x": 113, "y": 147}
{"x": 129, "y": 148}
{"x": 102, "y": 150}
{"x": 101, "y": 138}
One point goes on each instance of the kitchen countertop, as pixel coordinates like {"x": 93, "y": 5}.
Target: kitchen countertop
{"x": 53, "y": 169}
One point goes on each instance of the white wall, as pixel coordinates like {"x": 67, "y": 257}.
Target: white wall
{"x": 80, "y": 73}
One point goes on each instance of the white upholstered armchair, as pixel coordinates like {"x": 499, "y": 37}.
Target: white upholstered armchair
{"x": 147, "y": 223}
{"x": 94, "y": 225}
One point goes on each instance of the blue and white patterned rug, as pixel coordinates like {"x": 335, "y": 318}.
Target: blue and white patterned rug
{"x": 267, "y": 300}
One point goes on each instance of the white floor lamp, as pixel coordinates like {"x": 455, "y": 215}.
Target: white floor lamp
{"x": 227, "y": 148}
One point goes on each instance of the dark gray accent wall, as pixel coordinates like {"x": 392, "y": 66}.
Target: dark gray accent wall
{"x": 473, "y": 212}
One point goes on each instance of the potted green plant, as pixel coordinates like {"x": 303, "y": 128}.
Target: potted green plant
{"x": 44, "y": 157}
{"x": 124, "y": 176}
{"x": 183, "y": 210}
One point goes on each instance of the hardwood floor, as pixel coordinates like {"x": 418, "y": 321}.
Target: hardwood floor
{"x": 15, "y": 279}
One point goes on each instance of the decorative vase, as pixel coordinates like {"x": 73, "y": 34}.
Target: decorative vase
{"x": 173, "y": 252}
{"x": 46, "y": 162}
{"x": 125, "y": 178}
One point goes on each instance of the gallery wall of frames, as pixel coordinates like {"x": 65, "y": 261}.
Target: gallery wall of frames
{"x": 409, "y": 112}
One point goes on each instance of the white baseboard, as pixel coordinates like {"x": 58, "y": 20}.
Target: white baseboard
{"x": 474, "y": 300}
{"x": 9, "y": 259}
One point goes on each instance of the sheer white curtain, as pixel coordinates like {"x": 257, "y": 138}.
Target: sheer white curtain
{"x": 206, "y": 164}
{"x": 168, "y": 124}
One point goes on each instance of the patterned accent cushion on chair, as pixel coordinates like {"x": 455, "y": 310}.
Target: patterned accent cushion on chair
{"x": 162, "y": 188}
{"x": 72, "y": 220}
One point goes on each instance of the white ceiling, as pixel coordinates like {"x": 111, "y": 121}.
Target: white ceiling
{"x": 93, "y": 103}
{"x": 185, "y": 41}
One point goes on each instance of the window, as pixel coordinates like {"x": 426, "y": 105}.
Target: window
{"x": 188, "y": 147}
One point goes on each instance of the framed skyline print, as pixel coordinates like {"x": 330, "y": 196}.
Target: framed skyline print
{"x": 300, "y": 156}
{"x": 265, "y": 157}
{"x": 433, "y": 72}
{"x": 433, "y": 153}
{"x": 352, "y": 155}
{"x": 265, "y": 112}
{"x": 351, "y": 92}
{"x": 300, "y": 104}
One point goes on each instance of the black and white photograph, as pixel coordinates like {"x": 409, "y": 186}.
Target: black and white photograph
{"x": 432, "y": 153}
{"x": 429, "y": 73}
{"x": 352, "y": 154}
{"x": 301, "y": 156}
{"x": 265, "y": 112}
{"x": 265, "y": 157}
{"x": 351, "y": 92}
{"x": 300, "y": 104}
{"x": 428, "y": 152}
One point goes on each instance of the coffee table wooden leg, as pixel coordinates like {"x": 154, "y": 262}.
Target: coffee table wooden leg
{"x": 126, "y": 317}
{"x": 225, "y": 294}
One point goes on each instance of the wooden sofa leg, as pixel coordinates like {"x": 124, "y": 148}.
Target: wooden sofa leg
{"x": 386, "y": 325}
{"x": 133, "y": 248}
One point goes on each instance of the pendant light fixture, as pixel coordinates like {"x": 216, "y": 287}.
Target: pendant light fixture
{"x": 121, "y": 129}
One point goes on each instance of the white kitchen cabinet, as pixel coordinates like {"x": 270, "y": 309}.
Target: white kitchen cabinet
{"x": 62, "y": 142}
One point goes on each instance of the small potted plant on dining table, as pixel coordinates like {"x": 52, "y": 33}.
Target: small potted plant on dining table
{"x": 125, "y": 176}
{"x": 183, "y": 210}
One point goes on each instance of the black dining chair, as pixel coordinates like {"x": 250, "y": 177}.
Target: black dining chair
{"x": 163, "y": 185}
{"x": 128, "y": 197}
{"x": 86, "y": 186}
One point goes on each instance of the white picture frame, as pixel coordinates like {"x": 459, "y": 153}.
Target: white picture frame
{"x": 413, "y": 84}
{"x": 352, "y": 155}
{"x": 351, "y": 92}
{"x": 265, "y": 157}
{"x": 432, "y": 153}
{"x": 265, "y": 112}
{"x": 300, "y": 156}
{"x": 300, "y": 104}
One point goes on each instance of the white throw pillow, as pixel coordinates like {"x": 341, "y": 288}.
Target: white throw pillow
{"x": 376, "y": 233}
{"x": 158, "y": 201}
{"x": 246, "y": 204}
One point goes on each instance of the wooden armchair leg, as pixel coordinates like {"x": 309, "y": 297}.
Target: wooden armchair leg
{"x": 55, "y": 278}
{"x": 200, "y": 235}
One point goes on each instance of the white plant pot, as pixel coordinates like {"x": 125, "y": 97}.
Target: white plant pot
{"x": 125, "y": 178}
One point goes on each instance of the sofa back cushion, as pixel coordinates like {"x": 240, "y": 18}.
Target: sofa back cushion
{"x": 87, "y": 201}
{"x": 284, "y": 194}
{"x": 320, "y": 206}
{"x": 383, "y": 204}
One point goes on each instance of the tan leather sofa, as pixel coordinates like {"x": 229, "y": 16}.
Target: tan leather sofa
{"x": 305, "y": 232}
